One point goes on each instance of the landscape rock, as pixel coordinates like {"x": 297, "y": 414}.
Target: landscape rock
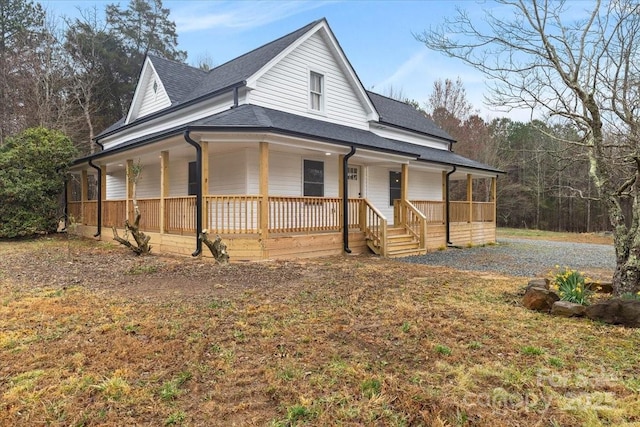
{"x": 601, "y": 288}
{"x": 539, "y": 299}
{"x": 567, "y": 309}
{"x": 538, "y": 283}
{"x": 616, "y": 311}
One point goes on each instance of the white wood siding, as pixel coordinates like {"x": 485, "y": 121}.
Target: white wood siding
{"x": 425, "y": 185}
{"x": 153, "y": 101}
{"x": 253, "y": 170}
{"x": 422, "y": 186}
{"x": 286, "y": 86}
{"x": 201, "y": 110}
{"x": 149, "y": 182}
{"x": 414, "y": 138}
{"x": 227, "y": 173}
{"x": 378, "y": 189}
{"x": 285, "y": 174}
{"x": 116, "y": 185}
{"x": 179, "y": 176}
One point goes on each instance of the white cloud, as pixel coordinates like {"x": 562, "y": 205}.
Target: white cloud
{"x": 408, "y": 68}
{"x": 415, "y": 77}
{"x": 198, "y": 16}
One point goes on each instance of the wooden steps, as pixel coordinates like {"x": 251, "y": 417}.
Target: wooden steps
{"x": 400, "y": 243}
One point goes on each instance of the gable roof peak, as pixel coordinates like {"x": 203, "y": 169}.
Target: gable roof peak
{"x": 294, "y": 35}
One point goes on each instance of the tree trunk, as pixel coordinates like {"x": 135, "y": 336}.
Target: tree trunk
{"x": 626, "y": 278}
{"x": 217, "y": 248}
{"x": 142, "y": 246}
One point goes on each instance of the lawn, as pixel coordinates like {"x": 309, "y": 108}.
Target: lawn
{"x": 91, "y": 335}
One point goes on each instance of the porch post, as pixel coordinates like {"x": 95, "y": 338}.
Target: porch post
{"x": 129, "y": 194}
{"x": 164, "y": 188}
{"x": 404, "y": 191}
{"x": 205, "y": 182}
{"x": 404, "y": 185}
{"x": 103, "y": 185}
{"x": 84, "y": 191}
{"x": 444, "y": 197}
{"x": 68, "y": 183}
{"x": 494, "y": 199}
{"x": 470, "y": 196}
{"x": 264, "y": 190}
{"x": 341, "y": 185}
{"x": 103, "y": 182}
{"x": 340, "y": 175}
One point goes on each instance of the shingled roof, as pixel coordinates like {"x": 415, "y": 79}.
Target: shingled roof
{"x": 243, "y": 67}
{"x": 402, "y": 115}
{"x": 252, "y": 118}
{"x": 178, "y": 79}
{"x": 185, "y": 84}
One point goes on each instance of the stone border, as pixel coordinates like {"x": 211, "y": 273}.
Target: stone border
{"x": 615, "y": 311}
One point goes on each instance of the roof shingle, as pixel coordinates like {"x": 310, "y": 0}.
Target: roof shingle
{"x": 403, "y": 115}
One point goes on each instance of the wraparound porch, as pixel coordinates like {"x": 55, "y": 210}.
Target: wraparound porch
{"x": 295, "y": 226}
{"x": 392, "y": 217}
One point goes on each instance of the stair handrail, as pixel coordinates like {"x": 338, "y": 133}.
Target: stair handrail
{"x": 374, "y": 225}
{"x": 408, "y": 210}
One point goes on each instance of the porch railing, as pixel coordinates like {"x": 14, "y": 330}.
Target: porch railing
{"x": 476, "y": 212}
{"x": 114, "y": 213}
{"x": 85, "y": 213}
{"x": 90, "y": 212}
{"x": 459, "y": 211}
{"x": 239, "y": 214}
{"x": 433, "y": 210}
{"x": 149, "y": 214}
{"x": 407, "y": 215}
{"x": 354, "y": 207}
{"x": 304, "y": 214}
{"x": 483, "y": 211}
{"x": 180, "y": 214}
{"x": 74, "y": 211}
{"x": 374, "y": 225}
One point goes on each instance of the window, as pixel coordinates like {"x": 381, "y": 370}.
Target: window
{"x": 193, "y": 179}
{"x": 395, "y": 180}
{"x": 316, "y": 91}
{"x": 352, "y": 174}
{"x": 313, "y": 177}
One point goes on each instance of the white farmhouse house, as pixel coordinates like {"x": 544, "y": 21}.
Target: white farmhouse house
{"x": 283, "y": 153}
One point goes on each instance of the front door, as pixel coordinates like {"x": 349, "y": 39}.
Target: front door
{"x": 353, "y": 179}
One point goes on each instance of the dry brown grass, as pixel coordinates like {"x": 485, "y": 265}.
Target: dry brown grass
{"x": 338, "y": 341}
{"x": 597, "y": 238}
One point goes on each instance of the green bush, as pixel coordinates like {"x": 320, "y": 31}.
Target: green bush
{"x": 32, "y": 168}
{"x": 570, "y": 285}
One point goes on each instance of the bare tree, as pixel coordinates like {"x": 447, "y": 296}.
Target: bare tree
{"x": 85, "y": 44}
{"x": 204, "y": 61}
{"x": 141, "y": 246}
{"x": 585, "y": 71}
{"x": 394, "y": 92}
{"x": 450, "y": 96}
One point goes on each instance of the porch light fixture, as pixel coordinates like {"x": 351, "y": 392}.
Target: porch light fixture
{"x": 327, "y": 154}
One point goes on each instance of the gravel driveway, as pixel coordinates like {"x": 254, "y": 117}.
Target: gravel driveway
{"x": 523, "y": 257}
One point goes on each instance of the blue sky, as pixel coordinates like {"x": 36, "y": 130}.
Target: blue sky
{"x": 375, "y": 35}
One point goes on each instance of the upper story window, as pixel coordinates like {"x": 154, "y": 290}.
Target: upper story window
{"x": 316, "y": 91}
